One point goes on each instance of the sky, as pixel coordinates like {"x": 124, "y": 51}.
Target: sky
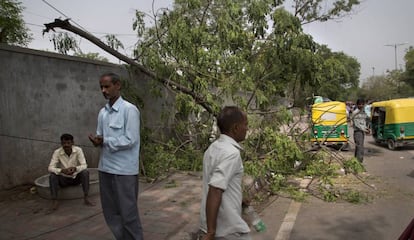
{"x": 363, "y": 34}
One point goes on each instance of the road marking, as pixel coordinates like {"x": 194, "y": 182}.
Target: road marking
{"x": 288, "y": 222}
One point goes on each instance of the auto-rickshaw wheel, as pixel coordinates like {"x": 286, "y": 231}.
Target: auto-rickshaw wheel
{"x": 391, "y": 144}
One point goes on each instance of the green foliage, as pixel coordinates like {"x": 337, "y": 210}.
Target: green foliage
{"x": 317, "y": 166}
{"x": 295, "y": 193}
{"x": 12, "y": 27}
{"x": 339, "y": 75}
{"x": 356, "y": 197}
{"x": 139, "y": 23}
{"x": 130, "y": 93}
{"x": 64, "y": 43}
{"x": 229, "y": 50}
{"x": 384, "y": 87}
{"x": 113, "y": 42}
{"x": 91, "y": 55}
{"x": 320, "y": 10}
{"x": 409, "y": 66}
{"x": 160, "y": 157}
{"x": 269, "y": 151}
{"x": 353, "y": 166}
{"x": 328, "y": 196}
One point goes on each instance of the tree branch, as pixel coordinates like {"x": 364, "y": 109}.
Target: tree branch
{"x": 65, "y": 24}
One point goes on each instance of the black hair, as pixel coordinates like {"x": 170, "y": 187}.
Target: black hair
{"x": 66, "y": 136}
{"x": 228, "y": 117}
{"x": 360, "y": 101}
{"x": 114, "y": 77}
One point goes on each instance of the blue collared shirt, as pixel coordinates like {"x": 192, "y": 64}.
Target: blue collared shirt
{"x": 119, "y": 126}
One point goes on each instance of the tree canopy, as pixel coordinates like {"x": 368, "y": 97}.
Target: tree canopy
{"x": 409, "y": 66}
{"x": 12, "y": 27}
{"x": 247, "y": 52}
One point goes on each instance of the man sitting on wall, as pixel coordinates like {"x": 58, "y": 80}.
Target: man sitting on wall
{"x": 68, "y": 168}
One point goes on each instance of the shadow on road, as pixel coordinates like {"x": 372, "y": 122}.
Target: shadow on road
{"x": 373, "y": 151}
{"x": 411, "y": 174}
{"x": 344, "y": 228}
{"x": 350, "y": 228}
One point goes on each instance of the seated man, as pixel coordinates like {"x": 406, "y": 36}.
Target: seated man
{"x": 68, "y": 168}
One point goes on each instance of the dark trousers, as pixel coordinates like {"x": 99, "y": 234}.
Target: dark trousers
{"x": 56, "y": 181}
{"x": 119, "y": 195}
{"x": 359, "y": 145}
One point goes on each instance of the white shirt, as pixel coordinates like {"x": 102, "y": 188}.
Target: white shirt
{"x": 223, "y": 168}
{"x": 61, "y": 160}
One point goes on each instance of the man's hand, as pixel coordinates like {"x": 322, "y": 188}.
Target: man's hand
{"x": 96, "y": 140}
{"x": 209, "y": 236}
{"x": 69, "y": 171}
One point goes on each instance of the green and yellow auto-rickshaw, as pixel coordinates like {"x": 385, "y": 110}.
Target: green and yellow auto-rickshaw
{"x": 393, "y": 122}
{"x": 329, "y": 123}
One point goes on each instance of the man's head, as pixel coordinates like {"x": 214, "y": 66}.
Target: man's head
{"x": 110, "y": 85}
{"x": 66, "y": 140}
{"x": 232, "y": 121}
{"x": 360, "y": 103}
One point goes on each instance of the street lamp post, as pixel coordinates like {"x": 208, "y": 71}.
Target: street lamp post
{"x": 395, "y": 45}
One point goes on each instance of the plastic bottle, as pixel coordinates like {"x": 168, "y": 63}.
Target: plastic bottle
{"x": 257, "y": 223}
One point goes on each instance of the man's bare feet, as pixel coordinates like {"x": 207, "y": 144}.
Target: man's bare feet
{"x": 54, "y": 207}
{"x": 87, "y": 202}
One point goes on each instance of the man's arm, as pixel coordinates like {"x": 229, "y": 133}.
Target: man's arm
{"x": 53, "y": 164}
{"x": 97, "y": 139}
{"x": 82, "y": 161}
{"x": 131, "y": 135}
{"x": 212, "y": 207}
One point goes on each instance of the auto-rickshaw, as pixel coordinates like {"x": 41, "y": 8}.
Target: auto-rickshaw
{"x": 393, "y": 122}
{"x": 329, "y": 123}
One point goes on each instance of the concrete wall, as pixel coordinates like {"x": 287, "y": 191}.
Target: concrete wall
{"x": 44, "y": 95}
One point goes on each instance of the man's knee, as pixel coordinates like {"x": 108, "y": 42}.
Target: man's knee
{"x": 53, "y": 177}
{"x": 84, "y": 174}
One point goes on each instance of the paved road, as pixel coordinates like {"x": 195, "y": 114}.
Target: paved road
{"x": 172, "y": 212}
{"x": 383, "y": 219}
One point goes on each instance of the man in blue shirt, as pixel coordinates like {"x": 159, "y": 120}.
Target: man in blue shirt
{"x": 118, "y": 135}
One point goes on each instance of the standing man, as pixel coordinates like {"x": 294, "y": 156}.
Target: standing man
{"x": 221, "y": 205}
{"x": 360, "y": 129}
{"x": 118, "y": 135}
{"x": 68, "y": 168}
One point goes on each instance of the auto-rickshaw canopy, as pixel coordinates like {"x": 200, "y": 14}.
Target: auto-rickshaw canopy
{"x": 329, "y": 113}
{"x": 397, "y": 110}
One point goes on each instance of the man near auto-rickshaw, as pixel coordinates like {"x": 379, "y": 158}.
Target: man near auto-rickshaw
{"x": 359, "y": 118}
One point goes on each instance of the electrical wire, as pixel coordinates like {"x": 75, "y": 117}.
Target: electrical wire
{"x": 57, "y": 10}
{"x": 101, "y": 33}
{"x": 36, "y": 25}
{"x": 39, "y": 140}
{"x": 38, "y": 15}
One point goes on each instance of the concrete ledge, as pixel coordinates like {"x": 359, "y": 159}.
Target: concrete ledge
{"x": 71, "y": 192}
{"x": 30, "y": 51}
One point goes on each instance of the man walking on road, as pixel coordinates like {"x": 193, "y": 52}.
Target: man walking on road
{"x": 221, "y": 205}
{"x": 360, "y": 129}
{"x": 117, "y": 134}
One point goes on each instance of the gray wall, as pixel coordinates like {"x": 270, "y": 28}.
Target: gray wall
{"x": 44, "y": 95}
